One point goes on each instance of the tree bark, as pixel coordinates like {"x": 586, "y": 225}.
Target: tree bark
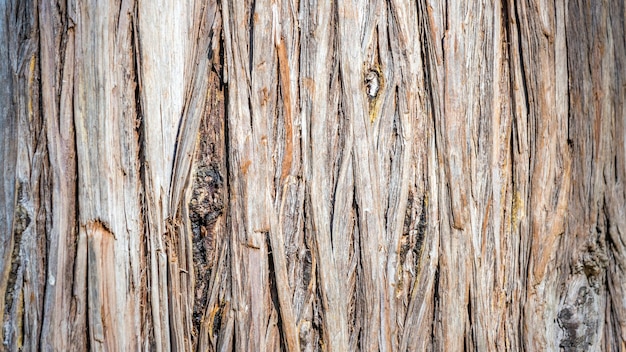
{"x": 338, "y": 176}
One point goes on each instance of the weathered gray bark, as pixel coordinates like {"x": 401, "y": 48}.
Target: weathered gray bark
{"x": 279, "y": 175}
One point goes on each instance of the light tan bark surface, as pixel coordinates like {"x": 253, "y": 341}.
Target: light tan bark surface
{"x": 282, "y": 175}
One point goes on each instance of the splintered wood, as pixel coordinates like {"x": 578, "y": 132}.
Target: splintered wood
{"x": 265, "y": 175}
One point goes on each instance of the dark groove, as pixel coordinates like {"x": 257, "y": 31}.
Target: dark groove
{"x": 21, "y": 220}
{"x": 428, "y": 60}
{"x": 332, "y": 51}
{"x": 274, "y": 292}
{"x": 251, "y": 39}
{"x": 527, "y": 102}
{"x": 433, "y": 338}
{"x": 359, "y": 292}
{"x": 469, "y": 335}
{"x": 570, "y": 141}
{"x": 445, "y": 32}
{"x": 118, "y": 15}
{"x": 141, "y": 156}
{"x": 421, "y": 232}
{"x": 210, "y": 176}
{"x": 521, "y": 57}
{"x": 44, "y": 182}
{"x": 250, "y": 115}
{"x": 61, "y": 57}
{"x": 516, "y": 144}
{"x": 226, "y": 197}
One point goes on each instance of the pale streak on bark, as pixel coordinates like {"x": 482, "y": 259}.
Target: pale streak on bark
{"x": 109, "y": 207}
{"x": 550, "y": 173}
{"x": 173, "y": 45}
{"x": 366, "y": 174}
{"x": 493, "y": 219}
{"x": 160, "y": 25}
{"x": 248, "y": 128}
{"x": 452, "y": 187}
{"x": 405, "y": 105}
{"x": 315, "y": 75}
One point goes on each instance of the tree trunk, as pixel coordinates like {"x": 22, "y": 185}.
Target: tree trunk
{"x": 338, "y": 176}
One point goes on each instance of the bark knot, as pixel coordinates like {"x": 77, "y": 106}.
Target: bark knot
{"x": 592, "y": 261}
{"x": 372, "y": 83}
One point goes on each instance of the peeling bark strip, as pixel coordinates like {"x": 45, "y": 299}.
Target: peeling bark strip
{"x": 337, "y": 176}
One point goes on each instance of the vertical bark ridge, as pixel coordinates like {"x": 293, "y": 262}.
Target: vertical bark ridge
{"x": 22, "y": 144}
{"x": 57, "y": 81}
{"x": 280, "y": 175}
{"x": 109, "y": 209}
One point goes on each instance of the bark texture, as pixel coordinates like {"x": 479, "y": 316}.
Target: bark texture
{"x": 339, "y": 176}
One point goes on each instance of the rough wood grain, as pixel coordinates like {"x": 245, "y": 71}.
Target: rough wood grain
{"x": 312, "y": 175}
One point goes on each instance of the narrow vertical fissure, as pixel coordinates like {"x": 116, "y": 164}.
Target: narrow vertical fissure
{"x": 227, "y": 150}
{"x": 45, "y": 175}
{"x": 147, "y": 330}
{"x": 515, "y": 148}
{"x": 436, "y": 311}
{"x": 335, "y": 69}
{"x": 421, "y": 234}
{"x": 21, "y": 220}
{"x": 274, "y": 292}
{"x": 429, "y": 63}
{"x": 251, "y": 39}
{"x": 570, "y": 137}
{"x": 251, "y": 63}
{"x": 521, "y": 58}
{"x": 470, "y": 328}
{"x": 139, "y": 123}
{"x": 208, "y": 201}
{"x": 524, "y": 261}
{"x": 358, "y": 292}
{"x": 446, "y": 20}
